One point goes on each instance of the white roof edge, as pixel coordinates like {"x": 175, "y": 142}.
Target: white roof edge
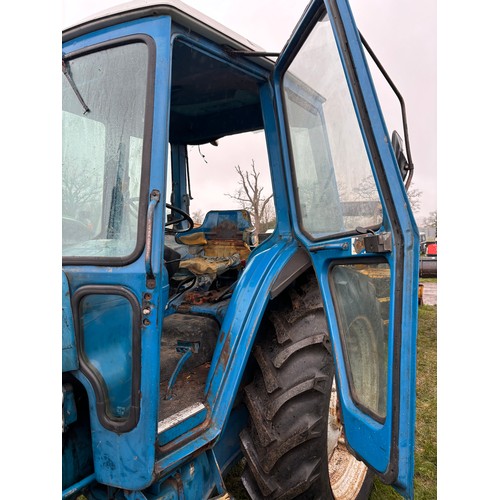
{"x": 181, "y": 12}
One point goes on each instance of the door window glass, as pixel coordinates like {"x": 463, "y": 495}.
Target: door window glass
{"x": 361, "y": 294}
{"x": 335, "y": 188}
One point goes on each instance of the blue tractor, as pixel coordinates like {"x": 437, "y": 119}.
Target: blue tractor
{"x": 188, "y": 348}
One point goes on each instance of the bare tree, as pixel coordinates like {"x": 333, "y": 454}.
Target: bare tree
{"x": 367, "y": 191}
{"x": 268, "y": 219}
{"x": 250, "y": 195}
{"x": 81, "y": 190}
{"x": 198, "y": 216}
{"x": 432, "y": 221}
{"x": 414, "y": 195}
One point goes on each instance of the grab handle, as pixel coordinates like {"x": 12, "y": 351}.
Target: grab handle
{"x": 154, "y": 198}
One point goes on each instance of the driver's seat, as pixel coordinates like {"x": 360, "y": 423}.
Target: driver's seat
{"x": 224, "y": 241}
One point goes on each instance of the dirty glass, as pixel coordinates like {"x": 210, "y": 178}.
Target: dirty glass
{"x": 335, "y": 187}
{"x": 102, "y": 150}
{"x": 361, "y": 295}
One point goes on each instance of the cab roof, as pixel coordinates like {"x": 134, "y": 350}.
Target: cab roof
{"x": 181, "y": 13}
{"x": 200, "y": 113}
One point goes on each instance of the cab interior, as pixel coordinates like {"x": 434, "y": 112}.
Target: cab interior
{"x": 213, "y": 96}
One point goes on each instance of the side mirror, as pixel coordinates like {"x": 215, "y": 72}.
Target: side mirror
{"x": 397, "y": 146}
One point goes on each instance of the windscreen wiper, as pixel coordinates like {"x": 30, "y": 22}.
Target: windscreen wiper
{"x": 66, "y": 72}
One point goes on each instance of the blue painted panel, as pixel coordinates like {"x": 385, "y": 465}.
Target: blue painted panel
{"x": 107, "y": 344}
{"x": 127, "y": 460}
{"x": 228, "y": 447}
{"x": 196, "y": 477}
{"x": 69, "y": 352}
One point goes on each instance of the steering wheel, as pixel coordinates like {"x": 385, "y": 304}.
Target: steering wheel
{"x": 182, "y": 216}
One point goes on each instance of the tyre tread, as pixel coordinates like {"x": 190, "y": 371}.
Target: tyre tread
{"x": 285, "y": 445}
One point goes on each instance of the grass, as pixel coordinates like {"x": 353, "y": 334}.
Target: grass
{"x": 427, "y": 280}
{"x": 425, "y": 478}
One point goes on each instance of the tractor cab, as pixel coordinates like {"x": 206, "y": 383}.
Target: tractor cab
{"x": 188, "y": 345}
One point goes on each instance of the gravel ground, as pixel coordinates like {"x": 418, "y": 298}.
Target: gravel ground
{"x": 430, "y": 294}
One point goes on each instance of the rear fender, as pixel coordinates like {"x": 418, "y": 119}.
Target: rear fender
{"x": 267, "y": 274}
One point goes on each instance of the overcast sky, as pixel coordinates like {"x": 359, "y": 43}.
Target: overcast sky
{"x": 401, "y": 32}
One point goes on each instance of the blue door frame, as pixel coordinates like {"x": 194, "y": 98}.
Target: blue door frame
{"x": 387, "y": 445}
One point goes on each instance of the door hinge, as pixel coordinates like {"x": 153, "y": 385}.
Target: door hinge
{"x": 376, "y": 243}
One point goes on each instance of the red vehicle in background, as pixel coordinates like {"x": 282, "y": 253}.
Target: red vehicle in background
{"x": 428, "y": 261}
{"x": 431, "y": 249}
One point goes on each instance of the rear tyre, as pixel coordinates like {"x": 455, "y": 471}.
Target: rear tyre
{"x": 294, "y": 445}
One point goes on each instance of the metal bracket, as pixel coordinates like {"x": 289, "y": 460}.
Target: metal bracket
{"x": 187, "y": 348}
{"x": 375, "y": 242}
{"x": 222, "y": 493}
{"x": 378, "y": 243}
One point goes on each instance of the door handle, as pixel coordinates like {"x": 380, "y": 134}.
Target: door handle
{"x": 154, "y": 198}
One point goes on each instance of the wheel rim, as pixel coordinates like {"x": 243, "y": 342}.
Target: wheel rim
{"x": 364, "y": 370}
{"x": 346, "y": 474}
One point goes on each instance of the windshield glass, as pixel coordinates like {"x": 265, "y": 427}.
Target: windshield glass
{"x": 102, "y": 150}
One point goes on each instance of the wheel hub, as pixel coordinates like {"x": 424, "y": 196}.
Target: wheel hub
{"x": 345, "y": 472}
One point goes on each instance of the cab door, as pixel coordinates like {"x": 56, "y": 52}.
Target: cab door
{"x": 114, "y": 151}
{"x": 350, "y": 211}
